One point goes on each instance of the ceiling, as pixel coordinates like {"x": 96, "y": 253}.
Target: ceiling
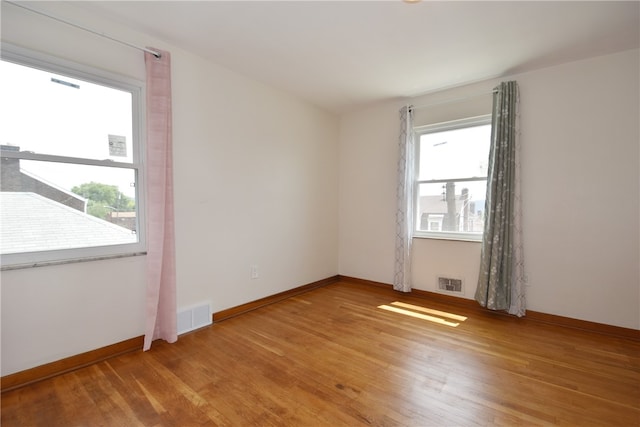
{"x": 343, "y": 54}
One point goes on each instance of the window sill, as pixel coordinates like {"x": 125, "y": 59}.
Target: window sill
{"x": 67, "y": 261}
{"x": 450, "y": 237}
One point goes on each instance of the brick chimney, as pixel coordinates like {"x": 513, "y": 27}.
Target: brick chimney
{"x": 10, "y": 179}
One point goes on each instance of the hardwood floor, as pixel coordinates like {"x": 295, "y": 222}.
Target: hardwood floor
{"x": 335, "y": 357}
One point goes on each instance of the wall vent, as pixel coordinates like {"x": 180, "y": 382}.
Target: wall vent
{"x": 449, "y": 284}
{"x": 193, "y": 318}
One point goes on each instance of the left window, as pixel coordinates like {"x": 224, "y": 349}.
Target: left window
{"x": 72, "y": 165}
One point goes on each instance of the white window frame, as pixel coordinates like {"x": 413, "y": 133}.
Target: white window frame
{"x": 25, "y": 57}
{"x": 434, "y": 128}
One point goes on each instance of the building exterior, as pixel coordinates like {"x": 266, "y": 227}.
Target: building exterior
{"x": 13, "y": 178}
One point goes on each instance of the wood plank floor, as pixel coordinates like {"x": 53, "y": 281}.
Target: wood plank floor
{"x": 334, "y": 357}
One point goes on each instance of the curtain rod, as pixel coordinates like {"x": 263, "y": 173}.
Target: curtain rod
{"x": 454, "y": 100}
{"x": 64, "y": 21}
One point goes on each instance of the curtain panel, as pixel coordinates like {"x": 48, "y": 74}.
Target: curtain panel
{"x": 161, "y": 322}
{"x": 500, "y": 283}
{"x": 405, "y": 208}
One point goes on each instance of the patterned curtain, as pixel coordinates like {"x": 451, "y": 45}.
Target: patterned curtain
{"x": 404, "y": 195}
{"x": 501, "y": 284}
{"x": 161, "y": 322}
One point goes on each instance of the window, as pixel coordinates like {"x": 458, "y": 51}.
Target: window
{"x": 72, "y": 171}
{"x": 451, "y": 183}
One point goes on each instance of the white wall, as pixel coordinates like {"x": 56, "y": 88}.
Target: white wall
{"x": 580, "y": 182}
{"x": 256, "y": 182}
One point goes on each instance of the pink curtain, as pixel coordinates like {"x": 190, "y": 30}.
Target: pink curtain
{"x": 161, "y": 271}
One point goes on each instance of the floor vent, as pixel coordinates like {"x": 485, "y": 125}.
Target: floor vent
{"x": 194, "y": 318}
{"x": 448, "y": 284}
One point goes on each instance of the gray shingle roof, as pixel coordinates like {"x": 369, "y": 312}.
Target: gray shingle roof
{"x": 435, "y": 205}
{"x": 30, "y": 222}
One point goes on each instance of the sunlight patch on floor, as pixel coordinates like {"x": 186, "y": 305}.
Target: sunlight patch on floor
{"x": 430, "y": 311}
{"x": 418, "y": 313}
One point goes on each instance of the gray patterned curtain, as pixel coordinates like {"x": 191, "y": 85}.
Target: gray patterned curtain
{"x": 501, "y": 284}
{"x": 404, "y": 195}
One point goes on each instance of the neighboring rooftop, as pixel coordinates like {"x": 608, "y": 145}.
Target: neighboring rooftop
{"x": 435, "y": 205}
{"x": 30, "y": 222}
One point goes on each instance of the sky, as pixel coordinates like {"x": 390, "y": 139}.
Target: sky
{"x": 455, "y": 154}
{"x": 458, "y": 153}
{"x": 67, "y": 117}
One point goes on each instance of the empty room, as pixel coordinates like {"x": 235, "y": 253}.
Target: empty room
{"x": 320, "y": 213}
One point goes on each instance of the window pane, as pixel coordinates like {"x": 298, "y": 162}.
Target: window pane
{"x": 52, "y": 206}
{"x": 455, "y": 154}
{"x": 54, "y": 114}
{"x": 451, "y": 207}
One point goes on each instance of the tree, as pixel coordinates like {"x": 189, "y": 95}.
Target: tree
{"x": 103, "y": 199}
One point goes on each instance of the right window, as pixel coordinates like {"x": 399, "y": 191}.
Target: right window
{"x": 451, "y": 183}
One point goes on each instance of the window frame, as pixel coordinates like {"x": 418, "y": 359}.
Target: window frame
{"x": 48, "y": 63}
{"x": 435, "y": 128}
